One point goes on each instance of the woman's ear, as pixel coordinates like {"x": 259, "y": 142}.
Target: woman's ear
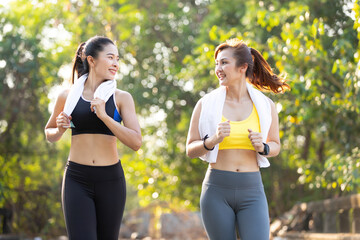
{"x": 243, "y": 68}
{"x": 91, "y": 61}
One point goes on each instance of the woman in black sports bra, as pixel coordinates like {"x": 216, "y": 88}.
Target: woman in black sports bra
{"x": 94, "y": 190}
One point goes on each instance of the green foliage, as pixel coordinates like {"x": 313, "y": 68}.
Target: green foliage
{"x": 167, "y": 65}
{"x": 326, "y": 96}
{"x": 30, "y": 173}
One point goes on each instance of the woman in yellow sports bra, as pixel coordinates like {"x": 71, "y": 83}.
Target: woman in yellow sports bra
{"x": 235, "y": 128}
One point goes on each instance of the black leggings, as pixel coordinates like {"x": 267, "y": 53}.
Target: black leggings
{"x": 93, "y": 199}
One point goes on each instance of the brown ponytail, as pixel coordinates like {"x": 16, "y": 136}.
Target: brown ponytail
{"x": 78, "y": 63}
{"x": 259, "y": 72}
{"x": 263, "y": 76}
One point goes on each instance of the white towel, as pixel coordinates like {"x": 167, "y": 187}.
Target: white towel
{"x": 211, "y": 111}
{"x": 103, "y": 91}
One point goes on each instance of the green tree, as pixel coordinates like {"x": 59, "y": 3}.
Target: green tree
{"x": 29, "y": 179}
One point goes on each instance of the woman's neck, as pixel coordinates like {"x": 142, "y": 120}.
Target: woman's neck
{"x": 237, "y": 92}
{"x": 92, "y": 82}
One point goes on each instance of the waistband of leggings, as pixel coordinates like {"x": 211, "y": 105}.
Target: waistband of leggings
{"x": 79, "y": 165}
{"x": 234, "y": 180}
{"x": 95, "y": 173}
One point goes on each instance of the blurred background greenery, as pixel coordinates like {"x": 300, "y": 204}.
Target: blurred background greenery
{"x": 167, "y": 64}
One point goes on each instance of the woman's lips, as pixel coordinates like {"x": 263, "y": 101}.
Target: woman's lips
{"x": 112, "y": 71}
{"x": 221, "y": 77}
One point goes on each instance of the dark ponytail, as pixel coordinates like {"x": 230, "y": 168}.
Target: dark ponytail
{"x": 259, "y": 72}
{"x": 90, "y": 48}
{"x": 78, "y": 64}
{"x": 263, "y": 76}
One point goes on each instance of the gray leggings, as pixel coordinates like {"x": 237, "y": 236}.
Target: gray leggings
{"x": 230, "y": 199}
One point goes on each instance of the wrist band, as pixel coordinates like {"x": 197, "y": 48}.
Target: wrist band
{"x": 266, "y": 150}
{"x": 206, "y": 137}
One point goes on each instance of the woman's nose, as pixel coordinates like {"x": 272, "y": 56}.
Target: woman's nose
{"x": 116, "y": 64}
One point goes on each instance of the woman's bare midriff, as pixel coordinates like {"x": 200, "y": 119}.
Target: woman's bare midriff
{"x": 236, "y": 160}
{"x": 93, "y": 149}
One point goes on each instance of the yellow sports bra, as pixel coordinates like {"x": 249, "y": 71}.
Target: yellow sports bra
{"x": 239, "y": 133}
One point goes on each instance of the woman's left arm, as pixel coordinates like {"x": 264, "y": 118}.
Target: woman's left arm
{"x": 273, "y": 139}
{"x": 129, "y": 133}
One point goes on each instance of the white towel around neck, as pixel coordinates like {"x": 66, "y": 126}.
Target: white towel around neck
{"x": 103, "y": 91}
{"x": 212, "y": 105}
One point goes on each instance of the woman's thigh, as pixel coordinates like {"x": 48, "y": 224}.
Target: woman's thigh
{"x": 79, "y": 210}
{"x": 217, "y": 215}
{"x": 110, "y": 203}
{"x": 253, "y": 218}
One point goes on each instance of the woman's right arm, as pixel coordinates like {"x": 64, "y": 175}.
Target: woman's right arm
{"x": 194, "y": 144}
{"x": 58, "y": 121}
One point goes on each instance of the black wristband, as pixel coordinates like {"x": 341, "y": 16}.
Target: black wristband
{"x": 266, "y": 150}
{"x": 206, "y": 137}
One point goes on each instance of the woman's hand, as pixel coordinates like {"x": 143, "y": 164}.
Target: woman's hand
{"x": 222, "y": 131}
{"x": 97, "y": 105}
{"x": 63, "y": 122}
{"x": 256, "y": 140}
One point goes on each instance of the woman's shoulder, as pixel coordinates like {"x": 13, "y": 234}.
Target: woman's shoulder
{"x": 63, "y": 94}
{"x": 272, "y": 104}
{"x": 270, "y": 100}
{"x": 122, "y": 96}
{"x": 257, "y": 93}
{"x": 122, "y": 93}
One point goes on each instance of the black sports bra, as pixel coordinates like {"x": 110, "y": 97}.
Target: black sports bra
{"x": 86, "y": 121}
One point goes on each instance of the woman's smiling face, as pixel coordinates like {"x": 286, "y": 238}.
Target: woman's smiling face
{"x": 106, "y": 64}
{"x": 225, "y": 67}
